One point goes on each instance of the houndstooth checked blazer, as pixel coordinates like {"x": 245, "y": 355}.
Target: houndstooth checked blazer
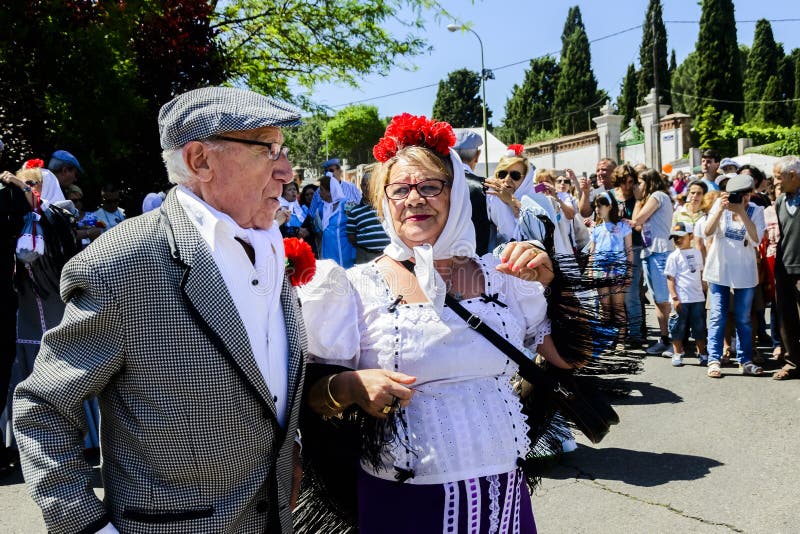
{"x": 189, "y": 433}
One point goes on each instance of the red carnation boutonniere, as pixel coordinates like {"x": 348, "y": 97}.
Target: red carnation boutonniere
{"x": 300, "y": 262}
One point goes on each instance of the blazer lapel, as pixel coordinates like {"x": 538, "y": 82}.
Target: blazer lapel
{"x": 208, "y": 299}
{"x": 296, "y": 335}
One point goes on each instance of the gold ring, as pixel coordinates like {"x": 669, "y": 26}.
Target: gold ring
{"x": 387, "y": 409}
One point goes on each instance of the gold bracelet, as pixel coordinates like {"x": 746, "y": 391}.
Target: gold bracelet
{"x": 330, "y": 402}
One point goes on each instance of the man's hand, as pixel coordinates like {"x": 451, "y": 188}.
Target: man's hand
{"x": 523, "y": 260}
{"x": 584, "y": 184}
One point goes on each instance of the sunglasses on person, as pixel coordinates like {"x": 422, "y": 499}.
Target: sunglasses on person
{"x": 425, "y": 188}
{"x": 563, "y": 181}
{"x": 274, "y": 150}
{"x": 333, "y": 168}
{"x": 515, "y": 175}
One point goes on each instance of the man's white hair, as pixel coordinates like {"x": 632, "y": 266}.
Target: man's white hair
{"x": 177, "y": 170}
{"x": 788, "y": 164}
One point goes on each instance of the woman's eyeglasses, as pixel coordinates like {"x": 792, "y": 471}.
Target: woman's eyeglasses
{"x": 515, "y": 175}
{"x": 563, "y": 181}
{"x": 425, "y": 188}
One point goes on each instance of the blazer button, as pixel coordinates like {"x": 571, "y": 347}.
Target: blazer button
{"x": 261, "y": 507}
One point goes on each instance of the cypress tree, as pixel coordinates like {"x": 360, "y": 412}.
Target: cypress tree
{"x": 654, "y": 34}
{"x": 576, "y": 90}
{"x": 770, "y": 111}
{"x": 719, "y": 73}
{"x": 673, "y": 64}
{"x": 762, "y": 63}
{"x": 458, "y": 100}
{"x": 531, "y": 103}
{"x": 626, "y": 102}
{"x": 573, "y": 22}
{"x": 796, "y": 56}
{"x": 683, "y": 84}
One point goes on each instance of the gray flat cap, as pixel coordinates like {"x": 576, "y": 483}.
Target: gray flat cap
{"x": 467, "y": 140}
{"x": 740, "y": 183}
{"x": 210, "y": 111}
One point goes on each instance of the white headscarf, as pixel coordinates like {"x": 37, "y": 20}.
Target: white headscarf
{"x": 51, "y": 190}
{"x": 346, "y": 192}
{"x": 457, "y": 238}
{"x": 294, "y": 207}
{"x": 501, "y": 213}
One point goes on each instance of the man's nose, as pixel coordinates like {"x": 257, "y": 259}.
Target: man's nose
{"x": 282, "y": 170}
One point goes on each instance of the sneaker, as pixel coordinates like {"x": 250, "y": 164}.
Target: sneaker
{"x": 667, "y": 353}
{"x": 677, "y": 360}
{"x": 657, "y": 348}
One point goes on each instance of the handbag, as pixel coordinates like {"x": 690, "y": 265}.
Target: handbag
{"x": 589, "y": 412}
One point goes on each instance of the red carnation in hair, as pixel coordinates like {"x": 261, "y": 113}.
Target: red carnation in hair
{"x": 414, "y": 130}
{"x": 33, "y": 164}
{"x": 300, "y": 262}
{"x": 516, "y": 148}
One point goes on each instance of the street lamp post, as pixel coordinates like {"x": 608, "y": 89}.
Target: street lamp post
{"x": 486, "y": 74}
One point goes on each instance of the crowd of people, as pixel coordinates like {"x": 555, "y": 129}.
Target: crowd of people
{"x": 221, "y": 351}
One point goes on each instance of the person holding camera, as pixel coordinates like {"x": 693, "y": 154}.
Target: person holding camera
{"x": 736, "y": 226}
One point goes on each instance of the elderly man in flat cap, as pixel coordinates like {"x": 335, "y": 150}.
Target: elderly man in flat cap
{"x": 183, "y": 324}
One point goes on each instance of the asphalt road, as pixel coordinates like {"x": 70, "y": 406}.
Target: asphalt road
{"x": 690, "y": 455}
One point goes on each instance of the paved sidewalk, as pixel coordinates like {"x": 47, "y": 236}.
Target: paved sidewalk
{"x": 690, "y": 455}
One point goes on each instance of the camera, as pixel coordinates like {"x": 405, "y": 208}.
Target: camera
{"x": 735, "y": 198}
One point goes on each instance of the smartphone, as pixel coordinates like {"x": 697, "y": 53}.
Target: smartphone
{"x": 540, "y": 188}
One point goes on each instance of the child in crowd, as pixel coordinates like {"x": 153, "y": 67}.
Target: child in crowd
{"x": 683, "y": 270}
{"x": 611, "y": 253}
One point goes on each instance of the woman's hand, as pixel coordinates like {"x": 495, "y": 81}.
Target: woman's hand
{"x": 373, "y": 390}
{"x": 523, "y": 260}
{"x": 500, "y": 189}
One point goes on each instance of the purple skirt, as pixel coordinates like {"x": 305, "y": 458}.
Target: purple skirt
{"x": 492, "y": 504}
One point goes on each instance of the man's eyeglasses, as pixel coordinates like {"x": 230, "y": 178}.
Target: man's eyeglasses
{"x": 425, "y": 188}
{"x": 274, "y": 150}
{"x": 515, "y": 175}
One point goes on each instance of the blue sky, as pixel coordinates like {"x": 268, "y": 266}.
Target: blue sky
{"x": 515, "y": 31}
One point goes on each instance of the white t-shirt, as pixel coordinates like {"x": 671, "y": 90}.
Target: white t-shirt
{"x": 731, "y": 258}
{"x": 686, "y": 266}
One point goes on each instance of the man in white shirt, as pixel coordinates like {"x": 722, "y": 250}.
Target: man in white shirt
{"x": 109, "y": 213}
{"x": 182, "y": 322}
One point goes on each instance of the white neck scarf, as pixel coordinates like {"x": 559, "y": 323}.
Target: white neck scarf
{"x": 457, "y": 238}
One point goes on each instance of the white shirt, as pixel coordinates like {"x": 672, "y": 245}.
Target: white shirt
{"x": 731, "y": 258}
{"x": 254, "y": 289}
{"x": 686, "y": 267}
{"x": 464, "y": 420}
{"x": 110, "y": 219}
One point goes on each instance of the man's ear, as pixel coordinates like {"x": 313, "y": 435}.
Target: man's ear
{"x": 195, "y": 155}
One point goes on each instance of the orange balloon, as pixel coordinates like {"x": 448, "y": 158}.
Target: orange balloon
{"x": 667, "y": 168}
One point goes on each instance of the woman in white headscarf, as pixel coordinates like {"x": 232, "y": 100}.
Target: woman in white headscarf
{"x": 397, "y": 349}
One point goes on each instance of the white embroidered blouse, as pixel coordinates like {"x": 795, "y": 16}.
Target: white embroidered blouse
{"x": 464, "y": 420}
